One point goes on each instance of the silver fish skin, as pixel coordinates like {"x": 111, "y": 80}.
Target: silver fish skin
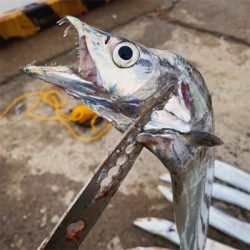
{"x": 114, "y": 78}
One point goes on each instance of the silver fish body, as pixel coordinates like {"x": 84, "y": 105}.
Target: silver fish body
{"x": 114, "y": 78}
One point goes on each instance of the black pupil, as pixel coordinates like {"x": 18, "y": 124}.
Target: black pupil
{"x": 125, "y": 52}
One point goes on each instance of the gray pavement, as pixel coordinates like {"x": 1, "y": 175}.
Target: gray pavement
{"x": 223, "y": 18}
{"x": 43, "y": 167}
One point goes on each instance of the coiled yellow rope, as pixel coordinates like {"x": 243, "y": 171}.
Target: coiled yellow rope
{"x": 55, "y": 99}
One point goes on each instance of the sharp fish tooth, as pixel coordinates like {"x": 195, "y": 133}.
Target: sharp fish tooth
{"x": 166, "y": 192}
{"x": 67, "y": 31}
{"x": 166, "y": 178}
{"x": 62, "y": 21}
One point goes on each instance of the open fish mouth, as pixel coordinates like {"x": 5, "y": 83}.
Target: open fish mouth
{"x": 104, "y": 82}
{"x": 85, "y": 82}
{"x": 78, "y": 82}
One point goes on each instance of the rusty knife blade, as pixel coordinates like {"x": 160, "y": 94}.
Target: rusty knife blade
{"x": 91, "y": 201}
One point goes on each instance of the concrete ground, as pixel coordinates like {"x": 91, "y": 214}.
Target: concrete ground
{"x": 43, "y": 167}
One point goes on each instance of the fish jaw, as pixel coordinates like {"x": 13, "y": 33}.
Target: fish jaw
{"x": 83, "y": 83}
{"x": 63, "y": 77}
{"x": 87, "y": 92}
{"x": 90, "y": 42}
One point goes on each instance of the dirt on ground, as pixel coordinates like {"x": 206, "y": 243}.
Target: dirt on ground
{"x": 43, "y": 167}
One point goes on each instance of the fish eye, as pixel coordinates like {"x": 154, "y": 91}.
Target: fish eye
{"x": 125, "y": 54}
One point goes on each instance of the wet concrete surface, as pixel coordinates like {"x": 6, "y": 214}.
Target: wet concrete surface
{"x": 43, "y": 167}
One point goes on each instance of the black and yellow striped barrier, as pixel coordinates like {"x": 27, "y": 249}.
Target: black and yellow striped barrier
{"x": 40, "y": 15}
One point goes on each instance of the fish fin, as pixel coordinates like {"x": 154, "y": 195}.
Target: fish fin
{"x": 197, "y": 139}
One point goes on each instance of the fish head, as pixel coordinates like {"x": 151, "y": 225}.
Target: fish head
{"x": 114, "y": 76}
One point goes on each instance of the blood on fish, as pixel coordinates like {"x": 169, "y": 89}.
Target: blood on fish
{"x": 186, "y": 94}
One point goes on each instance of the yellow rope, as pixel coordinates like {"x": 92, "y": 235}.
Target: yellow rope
{"x": 55, "y": 99}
